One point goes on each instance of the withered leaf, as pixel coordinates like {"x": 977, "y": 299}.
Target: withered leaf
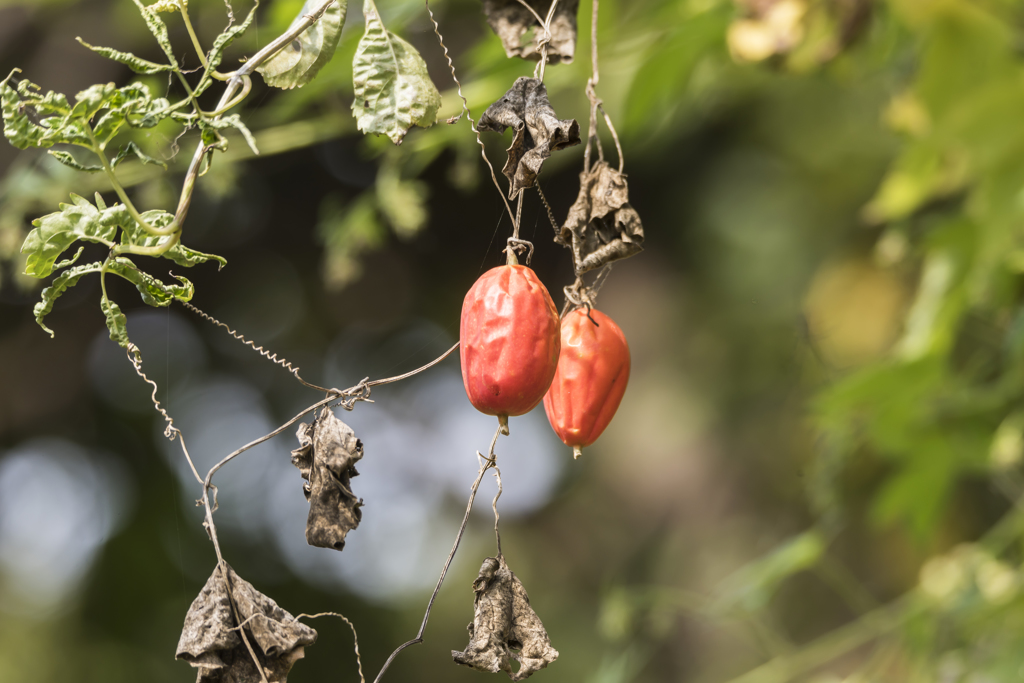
{"x": 210, "y": 640}
{"x": 538, "y": 132}
{"x": 510, "y": 20}
{"x": 326, "y": 456}
{"x": 504, "y": 626}
{"x": 602, "y": 227}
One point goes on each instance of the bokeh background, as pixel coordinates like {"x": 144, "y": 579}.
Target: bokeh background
{"x": 814, "y": 474}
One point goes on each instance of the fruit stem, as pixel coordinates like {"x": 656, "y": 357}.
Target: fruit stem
{"x": 576, "y": 452}
{"x": 503, "y": 419}
{"x": 511, "y": 261}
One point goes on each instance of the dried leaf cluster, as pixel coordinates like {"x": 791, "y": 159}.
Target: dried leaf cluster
{"x": 504, "y": 626}
{"x": 212, "y": 642}
{"x": 538, "y": 131}
{"x": 601, "y": 226}
{"x": 511, "y": 21}
{"x": 326, "y": 456}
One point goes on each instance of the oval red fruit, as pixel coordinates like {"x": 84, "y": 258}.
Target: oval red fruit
{"x": 591, "y": 378}
{"x": 510, "y": 341}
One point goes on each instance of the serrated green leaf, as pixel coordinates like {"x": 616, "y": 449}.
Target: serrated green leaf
{"x": 55, "y": 232}
{"x": 117, "y": 323}
{"x": 68, "y": 160}
{"x": 220, "y": 44}
{"x": 136, "y": 64}
{"x": 132, "y": 149}
{"x": 393, "y": 91}
{"x": 60, "y": 284}
{"x": 153, "y": 291}
{"x": 300, "y": 61}
{"x": 158, "y": 28}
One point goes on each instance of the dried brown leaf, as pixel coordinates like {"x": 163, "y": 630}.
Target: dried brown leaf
{"x": 326, "y": 456}
{"x": 510, "y": 20}
{"x": 538, "y": 132}
{"x": 602, "y": 227}
{"x": 211, "y": 642}
{"x": 504, "y": 626}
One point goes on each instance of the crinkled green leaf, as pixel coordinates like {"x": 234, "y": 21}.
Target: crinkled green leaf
{"x": 68, "y": 159}
{"x": 60, "y": 284}
{"x": 131, "y": 149}
{"x": 300, "y": 61}
{"x": 186, "y": 257}
{"x": 35, "y": 120}
{"x": 117, "y": 323}
{"x": 158, "y": 28}
{"x": 231, "y": 121}
{"x": 61, "y": 265}
{"x": 393, "y": 91}
{"x": 92, "y": 99}
{"x": 167, "y": 6}
{"x": 132, "y": 105}
{"x": 153, "y": 291}
{"x": 220, "y": 44}
{"x": 55, "y": 232}
{"x": 136, "y": 64}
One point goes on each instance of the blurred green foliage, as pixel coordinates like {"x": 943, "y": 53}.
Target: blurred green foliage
{"x": 830, "y": 297}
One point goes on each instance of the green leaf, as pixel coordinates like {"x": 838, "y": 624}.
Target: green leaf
{"x": 136, "y": 64}
{"x": 231, "y": 121}
{"x": 69, "y": 261}
{"x": 166, "y": 6}
{"x": 132, "y": 149}
{"x": 33, "y": 120}
{"x": 91, "y": 100}
{"x": 300, "y": 61}
{"x": 158, "y": 28}
{"x": 153, "y": 291}
{"x": 220, "y": 44}
{"x": 186, "y": 257}
{"x": 125, "y": 103}
{"x": 116, "y": 321}
{"x": 393, "y": 92}
{"x": 60, "y": 284}
{"x": 55, "y": 232}
{"x": 68, "y": 159}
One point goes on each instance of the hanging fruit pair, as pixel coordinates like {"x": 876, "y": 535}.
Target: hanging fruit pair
{"x": 509, "y": 341}
{"x": 591, "y": 378}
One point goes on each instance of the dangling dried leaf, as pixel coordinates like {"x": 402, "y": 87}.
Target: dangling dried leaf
{"x": 525, "y": 109}
{"x": 510, "y": 20}
{"x": 212, "y": 643}
{"x": 602, "y": 227}
{"x": 504, "y": 626}
{"x": 326, "y": 456}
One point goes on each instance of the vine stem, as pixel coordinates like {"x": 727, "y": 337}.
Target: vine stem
{"x": 472, "y": 123}
{"x": 486, "y": 462}
{"x": 235, "y": 81}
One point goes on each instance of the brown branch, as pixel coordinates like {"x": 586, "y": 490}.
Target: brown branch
{"x": 486, "y": 463}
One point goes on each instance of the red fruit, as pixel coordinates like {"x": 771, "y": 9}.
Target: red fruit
{"x": 591, "y": 378}
{"x": 510, "y": 341}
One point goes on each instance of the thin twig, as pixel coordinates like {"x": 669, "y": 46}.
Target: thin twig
{"x": 355, "y": 636}
{"x": 171, "y": 432}
{"x": 235, "y": 81}
{"x": 259, "y": 349}
{"x": 486, "y": 462}
{"x": 494, "y": 506}
{"x": 472, "y": 123}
